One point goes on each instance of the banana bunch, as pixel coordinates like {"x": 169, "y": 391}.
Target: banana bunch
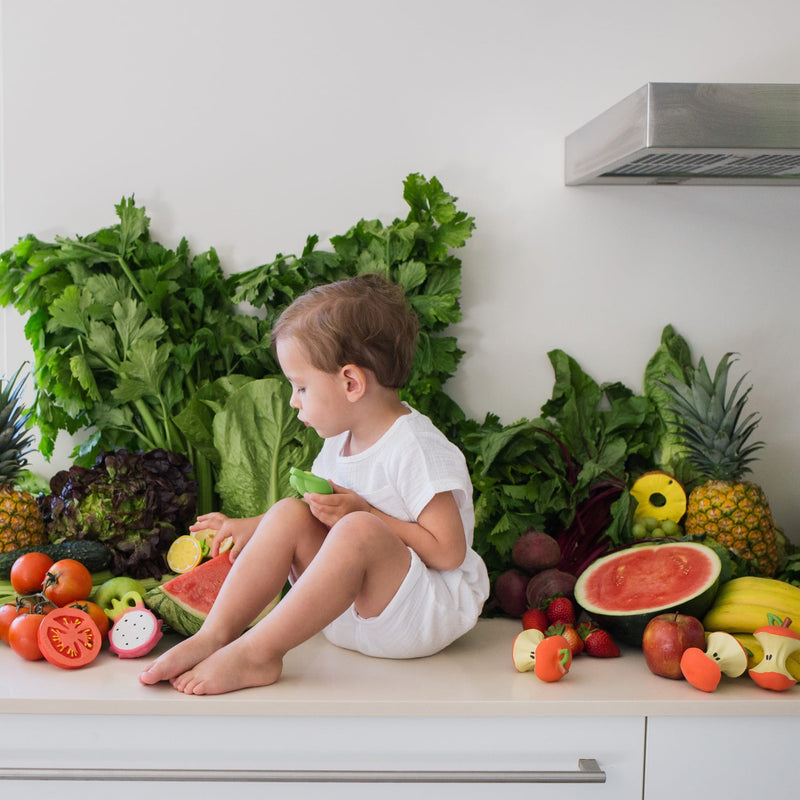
{"x": 743, "y": 605}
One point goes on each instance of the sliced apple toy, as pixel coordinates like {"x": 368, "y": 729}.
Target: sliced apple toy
{"x": 779, "y": 642}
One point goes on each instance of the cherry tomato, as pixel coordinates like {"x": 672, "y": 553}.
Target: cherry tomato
{"x": 69, "y": 638}
{"x": 29, "y": 571}
{"x": 23, "y": 636}
{"x": 67, "y": 581}
{"x": 97, "y": 614}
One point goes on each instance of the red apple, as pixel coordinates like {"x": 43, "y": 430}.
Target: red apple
{"x": 666, "y": 637}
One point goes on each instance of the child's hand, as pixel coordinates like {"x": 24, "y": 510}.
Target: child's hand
{"x": 240, "y": 530}
{"x": 330, "y": 508}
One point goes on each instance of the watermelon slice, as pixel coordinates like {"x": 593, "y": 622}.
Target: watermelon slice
{"x": 625, "y": 590}
{"x": 183, "y": 602}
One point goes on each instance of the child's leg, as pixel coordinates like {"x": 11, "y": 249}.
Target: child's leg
{"x": 287, "y": 535}
{"x": 361, "y": 562}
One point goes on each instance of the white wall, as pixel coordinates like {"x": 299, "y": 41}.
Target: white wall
{"x": 248, "y": 125}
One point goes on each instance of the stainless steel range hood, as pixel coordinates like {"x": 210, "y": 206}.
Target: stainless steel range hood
{"x": 697, "y": 133}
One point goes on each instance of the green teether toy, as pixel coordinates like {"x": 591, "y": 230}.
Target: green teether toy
{"x": 303, "y": 481}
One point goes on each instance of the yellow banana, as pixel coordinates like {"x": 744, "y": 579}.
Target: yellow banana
{"x": 755, "y": 653}
{"x": 752, "y": 587}
{"x": 734, "y": 617}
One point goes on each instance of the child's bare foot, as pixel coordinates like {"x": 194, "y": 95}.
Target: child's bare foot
{"x": 236, "y": 666}
{"x": 178, "y": 659}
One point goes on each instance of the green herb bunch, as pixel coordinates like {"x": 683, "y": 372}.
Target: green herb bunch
{"x": 137, "y": 345}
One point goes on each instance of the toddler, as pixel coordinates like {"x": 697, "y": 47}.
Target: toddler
{"x": 385, "y": 564}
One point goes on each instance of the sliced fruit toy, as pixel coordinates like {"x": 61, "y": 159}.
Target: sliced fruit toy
{"x": 778, "y": 642}
{"x": 523, "y": 650}
{"x": 552, "y": 659}
{"x": 723, "y": 655}
{"x": 69, "y": 638}
{"x": 659, "y": 496}
{"x": 184, "y": 553}
{"x": 135, "y": 633}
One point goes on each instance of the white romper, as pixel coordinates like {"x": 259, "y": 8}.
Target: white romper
{"x": 399, "y": 475}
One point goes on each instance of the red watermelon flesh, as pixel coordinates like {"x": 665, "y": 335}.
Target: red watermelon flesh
{"x": 183, "y": 602}
{"x": 625, "y": 590}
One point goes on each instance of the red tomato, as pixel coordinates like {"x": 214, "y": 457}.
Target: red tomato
{"x": 67, "y": 581}
{"x": 8, "y": 613}
{"x": 29, "y": 571}
{"x": 97, "y": 614}
{"x": 68, "y": 638}
{"x": 23, "y": 636}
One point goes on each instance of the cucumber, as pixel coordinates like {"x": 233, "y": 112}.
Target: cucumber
{"x": 94, "y": 555}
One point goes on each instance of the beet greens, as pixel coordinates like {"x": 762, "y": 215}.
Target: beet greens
{"x": 565, "y": 472}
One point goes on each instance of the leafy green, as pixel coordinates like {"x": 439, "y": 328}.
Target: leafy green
{"x": 253, "y": 469}
{"x": 565, "y": 472}
{"x": 128, "y": 334}
{"x": 672, "y": 358}
{"x": 413, "y": 252}
{"x": 136, "y": 503}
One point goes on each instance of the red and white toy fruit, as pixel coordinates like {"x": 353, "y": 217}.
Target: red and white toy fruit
{"x": 69, "y": 638}
{"x": 724, "y": 655}
{"x": 135, "y": 633}
{"x": 779, "y": 642}
{"x": 664, "y": 640}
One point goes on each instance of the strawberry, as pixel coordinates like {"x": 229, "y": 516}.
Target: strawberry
{"x": 534, "y": 618}
{"x": 560, "y": 609}
{"x": 569, "y": 633}
{"x": 597, "y": 642}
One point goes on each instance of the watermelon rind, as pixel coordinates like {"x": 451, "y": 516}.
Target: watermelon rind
{"x": 182, "y": 601}
{"x": 628, "y": 624}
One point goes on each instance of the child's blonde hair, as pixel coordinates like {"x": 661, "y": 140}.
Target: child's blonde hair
{"x": 365, "y": 320}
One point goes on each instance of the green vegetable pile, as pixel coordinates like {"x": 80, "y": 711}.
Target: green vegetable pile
{"x": 567, "y": 471}
{"x": 140, "y": 346}
{"x": 145, "y": 348}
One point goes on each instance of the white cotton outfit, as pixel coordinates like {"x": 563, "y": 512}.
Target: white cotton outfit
{"x": 399, "y": 475}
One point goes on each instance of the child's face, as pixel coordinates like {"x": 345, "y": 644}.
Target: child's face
{"x": 319, "y": 397}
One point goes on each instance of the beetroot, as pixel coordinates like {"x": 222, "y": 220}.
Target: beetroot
{"x": 509, "y": 592}
{"x": 535, "y": 551}
{"x": 547, "y": 583}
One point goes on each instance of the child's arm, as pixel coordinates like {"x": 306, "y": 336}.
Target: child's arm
{"x": 437, "y": 536}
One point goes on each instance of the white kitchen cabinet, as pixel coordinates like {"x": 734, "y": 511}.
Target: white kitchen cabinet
{"x": 721, "y": 757}
{"x": 93, "y": 730}
{"x": 216, "y": 755}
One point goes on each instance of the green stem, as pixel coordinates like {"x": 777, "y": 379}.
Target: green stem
{"x": 154, "y": 433}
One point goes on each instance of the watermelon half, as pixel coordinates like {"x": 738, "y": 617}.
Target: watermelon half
{"x": 183, "y": 602}
{"x": 625, "y": 590}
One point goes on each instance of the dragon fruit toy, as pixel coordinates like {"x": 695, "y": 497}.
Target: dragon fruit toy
{"x": 135, "y": 632}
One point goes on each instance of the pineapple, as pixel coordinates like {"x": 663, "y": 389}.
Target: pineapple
{"x": 724, "y": 508}
{"x": 21, "y": 521}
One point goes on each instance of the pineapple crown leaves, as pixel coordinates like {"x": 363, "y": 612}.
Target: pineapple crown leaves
{"x": 14, "y": 446}
{"x": 710, "y": 420}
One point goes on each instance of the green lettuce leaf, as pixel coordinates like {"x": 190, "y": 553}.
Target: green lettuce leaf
{"x": 259, "y": 438}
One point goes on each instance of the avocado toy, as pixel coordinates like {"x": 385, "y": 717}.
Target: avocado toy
{"x": 303, "y": 481}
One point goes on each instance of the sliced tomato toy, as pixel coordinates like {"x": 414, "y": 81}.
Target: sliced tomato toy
{"x": 69, "y": 638}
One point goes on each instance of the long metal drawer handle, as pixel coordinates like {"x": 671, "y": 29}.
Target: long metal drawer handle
{"x": 588, "y": 772}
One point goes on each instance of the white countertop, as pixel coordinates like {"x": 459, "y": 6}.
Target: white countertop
{"x": 472, "y": 678}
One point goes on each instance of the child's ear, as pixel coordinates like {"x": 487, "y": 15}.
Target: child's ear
{"x": 355, "y": 381}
